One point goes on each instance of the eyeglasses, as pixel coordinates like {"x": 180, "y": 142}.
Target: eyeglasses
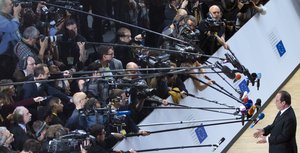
{"x": 126, "y": 36}
{"x": 111, "y": 54}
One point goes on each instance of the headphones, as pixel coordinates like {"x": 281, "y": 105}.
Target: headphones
{"x": 24, "y": 66}
{"x": 39, "y": 131}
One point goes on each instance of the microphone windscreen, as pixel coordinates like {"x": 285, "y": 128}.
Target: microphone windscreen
{"x": 258, "y": 75}
{"x": 261, "y": 116}
{"x": 237, "y": 77}
{"x": 226, "y": 70}
{"x": 258, "y": 102}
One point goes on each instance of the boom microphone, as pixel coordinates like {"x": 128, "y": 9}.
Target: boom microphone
{"x": 219, "y": 143}
{"x": 259, "y": 117}
{"x": 226, "y": 70}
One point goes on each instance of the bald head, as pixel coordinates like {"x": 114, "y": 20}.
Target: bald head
{"x": 215, "y": 11}
{"x": 79, "y": 99}
{"x": 132, "y": 65}
{"x": 182, "y": 12}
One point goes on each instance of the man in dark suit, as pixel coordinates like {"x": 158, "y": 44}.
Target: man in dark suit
{"x": 20, "y": 129}
{"x": 281, "y": 134}
{"x": 41, "y": 72}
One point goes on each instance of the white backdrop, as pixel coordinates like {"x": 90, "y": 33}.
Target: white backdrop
{"x": 255, "y": 47}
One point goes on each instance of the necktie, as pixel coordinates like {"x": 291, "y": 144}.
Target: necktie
{"x": 277, "y": 116}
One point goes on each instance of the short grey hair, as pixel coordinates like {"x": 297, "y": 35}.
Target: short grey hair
{"x": 18, "y": 114}
{"x": 30, "y": 32}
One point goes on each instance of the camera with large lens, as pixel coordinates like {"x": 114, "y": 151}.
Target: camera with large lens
{"x": 214, "y": 25}
{"x": 68, "y": 143}
{"x": 162, "y": 60}
{"x": 141, "y": 90}
{"x": 55, "y": 38}
{"x": 188, "y": 34}
{"x": 23, "y": 3}
{"x": 245, "y": 1}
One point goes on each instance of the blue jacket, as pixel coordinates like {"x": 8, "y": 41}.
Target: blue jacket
{"x": 9, "y": 32}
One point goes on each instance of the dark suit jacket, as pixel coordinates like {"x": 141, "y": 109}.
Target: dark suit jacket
{"x": 283, "y": 133}
{"x": 20, "y": 136}
{"x": 30, "y": 90}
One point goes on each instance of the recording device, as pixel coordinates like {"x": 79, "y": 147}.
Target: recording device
{"x": 186, "y": 33}
{"x": 241, "y": 69}
{"x": 259, "y": 117}
{"x": 162, "y": 60}
{"x": 218, "y": 144}
{"x": 245, "y": 1}
{"x": 141, "y": 91}
{"x": 69, "y": 143}
{"x": 23, "y": 3}
{"x": 213, "y": 25}
{"x": 55, "y": 38}
{"x": 226, "y": 70}
{"x": 258, "y": 104}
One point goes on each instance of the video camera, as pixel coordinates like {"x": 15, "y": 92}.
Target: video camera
{"x": 162, "y": 60}
{"x": 69, "y": 143}
{"x": 214, "y": 25}
{"x": 23, "y": 3}
{"x": 245, "y": 1}
{"x": 186, "y": 33}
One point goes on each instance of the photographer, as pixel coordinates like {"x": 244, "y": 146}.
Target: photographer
{"x": 103, "y": 143}
{"x": 247, "y": 9}
{"x": 193, "y": 7}
{"x": 9, "y": 36}
{"x": 72, "y": 50}
{"x": 28, "y": 46}
{"x": 212, "y": 31}
{"x": 78, "y": 119}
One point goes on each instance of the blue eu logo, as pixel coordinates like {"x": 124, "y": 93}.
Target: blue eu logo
{"x": 280, "y": 48}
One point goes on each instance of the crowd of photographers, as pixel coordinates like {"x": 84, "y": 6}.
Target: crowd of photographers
{"x": 83, "y": 97}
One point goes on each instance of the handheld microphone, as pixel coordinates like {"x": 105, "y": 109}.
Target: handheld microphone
{"x": 258, "y": 103}
{"x": 259, "y": 117}
{"x": 218, "y": 144}
{"x": 251, "y": 111}
{"x": 258, "y": 84}
{"x": 248, "y": 104}
{"x": 238, "y": 76}
{"x": 243, "y": 111}
{"x": 245, "y": 97}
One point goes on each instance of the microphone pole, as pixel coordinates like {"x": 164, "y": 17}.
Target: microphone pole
{"x": 156, "y": 49}
{"x": 92, "y": 77}
{"x": 215, "y": 83}
{"x": 185, "y": 122}
{"x": 228, "y": 95}
{"x": 202, "y": 98}
{"x": 178, "y": 147}
{"x": 224, "y": 79}
{"x": 183, "y": 128}
{"x": 200, "y": 108}
{"x": 117, "y": 21}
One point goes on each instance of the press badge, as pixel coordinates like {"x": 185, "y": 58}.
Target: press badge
{"x": 70, "y": 60}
